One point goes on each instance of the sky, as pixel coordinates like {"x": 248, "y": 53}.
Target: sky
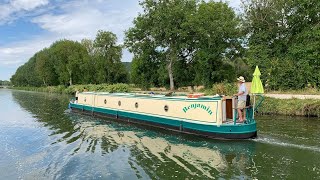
{"x": 27, "y": 26}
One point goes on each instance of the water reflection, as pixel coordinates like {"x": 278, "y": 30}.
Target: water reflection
{"x": 83, "y": 145}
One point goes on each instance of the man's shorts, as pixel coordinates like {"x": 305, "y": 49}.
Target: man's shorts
{"x": 241, "y": 104}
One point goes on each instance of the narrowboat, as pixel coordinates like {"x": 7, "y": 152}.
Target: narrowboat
{"x": 209, "y": 116}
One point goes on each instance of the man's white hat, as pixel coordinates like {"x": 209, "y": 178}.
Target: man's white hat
{"x": 241, "y": 79}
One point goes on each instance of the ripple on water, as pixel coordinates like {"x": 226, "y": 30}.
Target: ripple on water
{"x": 273, "y": 141}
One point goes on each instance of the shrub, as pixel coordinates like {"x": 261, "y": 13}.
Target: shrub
{"x": 222, "y": 89}
{"x": 119, "y": 88}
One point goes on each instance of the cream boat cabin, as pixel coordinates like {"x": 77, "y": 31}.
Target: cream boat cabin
{"x": 207, "y": 115}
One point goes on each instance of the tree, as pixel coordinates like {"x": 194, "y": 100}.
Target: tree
{"x": 217, "y": 42}
{"x": 283, "y": 39}
{"x": 162, "y": 25}
{"x": 71, "y": 59}
{"x": 5, "y": 83}
{"x": 26, "y": 75}
{"x": 45, "y": 68}
{"x": 107, "y": 55}
{"x": 68, "y": 62}
{"x": 192, "y": 40}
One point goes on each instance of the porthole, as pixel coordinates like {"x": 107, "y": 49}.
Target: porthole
{"x": 85, "y": 99}
{"x": 136, "y": 105}
{"x": 119, "y": 103}
{"x": 105, "y": 101}
{"x": 166, "y": 108}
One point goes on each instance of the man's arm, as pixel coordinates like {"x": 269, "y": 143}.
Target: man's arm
{"x": 239, "y": 94}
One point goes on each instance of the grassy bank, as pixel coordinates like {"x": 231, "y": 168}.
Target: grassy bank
{"x": 72, "y": 89}
{"x": 305, "y": 91}
{"x": 291, "y": 107}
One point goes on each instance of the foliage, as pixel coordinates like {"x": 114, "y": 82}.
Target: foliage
{"x": 26, "y": 75}
{"x": 191, "y": 42}
{"x": 108, "y": 59}
{"x": 127, "y": 65}
{"x": 71, "y": 60}
{"x": 120, "y": 87}
{"x": 45, "y": 68}
{"x": 5, "y": 83}
{"x": 68, "y": 62}
{"x": 183, "y": 42}
{"x": 222, "y": 89}
{"x": 284, "y": 39}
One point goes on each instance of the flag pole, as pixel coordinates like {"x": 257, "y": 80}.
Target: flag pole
{"x": 254, "y": 104}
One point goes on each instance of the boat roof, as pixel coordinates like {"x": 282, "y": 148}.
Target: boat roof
{"x": 161, "y": 96}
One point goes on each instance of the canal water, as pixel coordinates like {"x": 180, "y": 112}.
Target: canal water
{"x": 41, "y": 139}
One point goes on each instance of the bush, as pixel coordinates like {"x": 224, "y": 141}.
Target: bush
{"x": 222, "y": 89}
{"x": 119, "y": 88}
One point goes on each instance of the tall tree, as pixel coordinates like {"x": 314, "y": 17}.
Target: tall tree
{"x": 71, "y": 58}
{"x": 45, "y": 68}
{"x": 162, "y": 24}
{"x": 217, "y": 41}
{"x": 192, "y": 39}
{"x": 108, "y": 59}
{"x": 26, "y": 75}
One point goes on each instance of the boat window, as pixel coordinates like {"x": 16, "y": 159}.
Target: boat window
{"x": 166, "y": 108}
{"x": 136, "y": 105}
{"x": 105, "y": 101}
{"x": 119, "y": 103}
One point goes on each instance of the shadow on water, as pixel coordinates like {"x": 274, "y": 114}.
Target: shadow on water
{"x": 83, "y": 146}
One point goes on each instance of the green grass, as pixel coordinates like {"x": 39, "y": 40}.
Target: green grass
{"x": 291, "y": 107}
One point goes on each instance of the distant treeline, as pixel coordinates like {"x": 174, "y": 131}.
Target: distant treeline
{"x": 191, "y": 42}
{"x": 5, "y": 83}
{"x": 68, "y": 62}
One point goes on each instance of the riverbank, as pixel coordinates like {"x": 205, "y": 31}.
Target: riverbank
{"x": 307, "y": 106}
{"x": 291, "y": 107}
{"x": 72, "y": 89}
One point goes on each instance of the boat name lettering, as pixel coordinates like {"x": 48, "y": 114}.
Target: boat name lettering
{"x": 194, "y": 106}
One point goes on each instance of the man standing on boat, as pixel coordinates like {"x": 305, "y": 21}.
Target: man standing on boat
{"x": 242, "y": 97}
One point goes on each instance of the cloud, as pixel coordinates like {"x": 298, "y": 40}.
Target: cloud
{"x": 18, "y": 53}
{"x": 85, "y": 18}
{"x": 72, "y": 20}
{"x": 17, "y": 8}
{"x": 27, "y": 4}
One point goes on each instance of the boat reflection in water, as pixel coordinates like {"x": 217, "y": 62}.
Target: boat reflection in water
{"x": 163, "y": 154}
{"x": 83, "y": 146}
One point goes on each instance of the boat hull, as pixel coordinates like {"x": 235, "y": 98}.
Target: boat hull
{"x": 224, "y": 131}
